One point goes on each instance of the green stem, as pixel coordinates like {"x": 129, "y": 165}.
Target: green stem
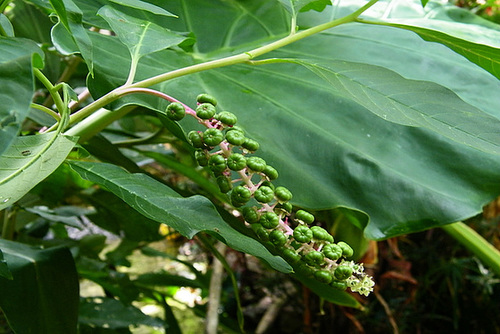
{"x": 53, "y": 90}
{"x": 217, "y": 63}
{"x": 473, "y": 241}
{"x": 47, "y": 111}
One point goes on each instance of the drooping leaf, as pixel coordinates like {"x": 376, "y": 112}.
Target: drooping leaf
{"x": 70, "y": 17}
{"x": 47, "y": 278}
{"x": 16, "y": 85}
{"x": 111, "y": 313}
{"x": 28, "y": 161}
{"x": 140, "y": 37}
{"x": 158, "y": 202}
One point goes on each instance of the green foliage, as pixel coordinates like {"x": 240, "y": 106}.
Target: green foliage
{"x": 376, "y": 114}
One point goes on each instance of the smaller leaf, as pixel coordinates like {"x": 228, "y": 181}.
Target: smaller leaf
{"x": 6, "y": 26}
{"x": 144, "y": 6}
{"x": 141, "y": 37}
{"x": 28, "y": 161}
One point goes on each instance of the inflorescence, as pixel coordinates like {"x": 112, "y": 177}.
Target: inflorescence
{"x": 247, "y": 179}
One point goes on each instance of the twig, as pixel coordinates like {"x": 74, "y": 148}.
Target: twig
{"x": 212, "y": 319}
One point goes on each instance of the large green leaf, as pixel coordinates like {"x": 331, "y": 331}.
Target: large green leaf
{"x": 43, "y": 296}
{"x": 158, "y": 202}
{"x": 330, "y": 150}
{"x": 16, "y": 85}
{"x": 28, "y": 161}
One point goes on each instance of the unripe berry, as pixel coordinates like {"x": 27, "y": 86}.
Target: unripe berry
{"x": 196, "y": 139}
{"x": 342, "y": 272}
{"x": 250, "y": 145}
{"x": 314, "y": 258}
{"x": 217, "y": 163}
{"x": 236, "y": 161}
{"x": 323, "y": 276}
{"x": 277, "y": 238}
{"x": 212, "y": 137}
{"x": 302, "y": 234}
{"x": 176, "y": 111}
{"x": 264, "y": 194}
{"x": 235, "y": 137}
{"x": 269, "y": 220}
{"x": 270, "y": 172}
{"x": 227, "y": 118}
{"x": 251, "y": 215}
{"x": 205, "y": 98}
{"x": 201, "y": 157}
{"x": 320, "y": 234}
{"x": 224, "y": 183}
{"x": 347, "y": 251}
{"x": 283, "y": 194}
{"x": 332, "y": 251}
{"x": 240, "y": 195}
{"x": 339, "y": 285}
{"x": 256, "y": 164}
{"x": 305, "y": 216}
{"x": 290, "y": 255}
{"x": 205, "y": 111}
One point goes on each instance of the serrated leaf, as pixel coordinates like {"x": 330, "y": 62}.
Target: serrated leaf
{"x": 188, "y": 216}
{"x": 28, "y": 161}
{"x": 16, "y": 85}
{"x": 47, "y": 278}
{"x": 140, "y": 37}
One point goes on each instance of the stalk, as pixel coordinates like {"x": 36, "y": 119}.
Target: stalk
{"x": 475, "y": 243}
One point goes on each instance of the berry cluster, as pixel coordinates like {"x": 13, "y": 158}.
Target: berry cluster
{"x": 247, "y": 179}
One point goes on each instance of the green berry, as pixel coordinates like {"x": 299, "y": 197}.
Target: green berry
{"x": 213, "y": 137}
{"x": 217, "y": 163}
{"x": 205, "y": 111}
{"x": 250, "y": 145}
{"x": 290, "y": 255}
{"x": 227, "y": 118}
{"x": 269, "y": 220}
{"x": 261, "y": 232}
{"x": 196, "y": 139}
{"x": 251, "y": 215}
{"x": 283, "y": 194}
{"x": 240, "y": 195}
{"x": 224, "y": 183}
{"x": 201, "y": 157}
{"x": 339, "y": 285}
{"x": 302, "y": 234}
{"x": 342, "y": 272}
{"x": 205, "y": 98}
{"x": 270, "y": 172}
{"x": 176, "y": 111}
{"x": 256, "y": 164}
{"x": 321, "y": 234}
{"x": 305, "y": 216}
{"x": 264, "y": 194}
{"x": 236, "y": 161}
{"x": 235, "y": 137}
{"x": 323, "y": 276}
{"x": 332, "y": 251}
{"x": 347, "y": 251}
{"x": 314, "y": 258}
{"x": 287, "y": 207}
{"x": 277, "y": 238}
